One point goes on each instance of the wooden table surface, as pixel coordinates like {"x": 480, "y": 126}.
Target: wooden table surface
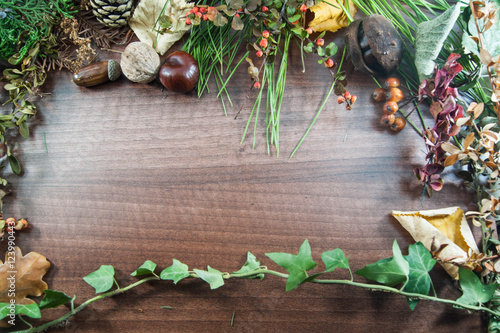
{"x": 123, "y": 172}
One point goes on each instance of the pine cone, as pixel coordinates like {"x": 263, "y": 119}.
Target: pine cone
{"x": 112, "y": 13}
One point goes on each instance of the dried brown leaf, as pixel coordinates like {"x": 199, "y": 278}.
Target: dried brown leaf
{"x": 29, "y": 271}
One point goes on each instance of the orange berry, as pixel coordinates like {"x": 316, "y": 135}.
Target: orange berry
{"x": 387, "y": 119}
{"x": 309, "y": 31}
{"x": 390, "y": 107}
{"x": 188, "y": 21}
{"x": 329, "y": 63}
{"x": 303, "y": 8}
{"x": 353, "y": 98}
{"x": 320, "y": 42}
{"x": 391, "y": 82}
{"x": 394, "y": 94}
{"x": 265, "y": 34}
{"x": 340, "y": 99}
{"x": 256, "y": 85}
{"x": 263, "y": 43}
{"x": 398, "y": 124}
{"x": 264, "y": 9}
{"x": 260, "y": 53}
{"x": 379, "y": 94}
{"x": 347, "y": 95}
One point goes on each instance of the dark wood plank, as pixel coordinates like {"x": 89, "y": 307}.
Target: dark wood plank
{"x": 130, "y": 172}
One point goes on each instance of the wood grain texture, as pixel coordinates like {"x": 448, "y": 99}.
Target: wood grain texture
{"x": 130, "y": 172}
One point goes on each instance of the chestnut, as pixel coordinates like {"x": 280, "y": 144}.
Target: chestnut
{"x": 180, "y": 73}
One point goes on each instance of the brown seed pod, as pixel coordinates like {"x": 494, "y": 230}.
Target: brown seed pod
{"x": 140, "y": 62}
{"x": 180, "y": 73}
{"x": 374, "y": 45}
{"x": 97, "y": 73}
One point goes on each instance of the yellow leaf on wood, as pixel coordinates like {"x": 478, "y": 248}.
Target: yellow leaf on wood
{"x": 439, "y": 227}
{"x": 329, "y": 16}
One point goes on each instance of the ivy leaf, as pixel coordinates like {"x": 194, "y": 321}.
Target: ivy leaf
{"x": 296, "y": 265}
{"x": 331, "y": 49}
{"x": 250, "y": 265}
{"x": 102, "y": 279}
{"x": 389, "y": 271}
{"x": 53, "y": 299}
{"x": 176, "y": 272}
{"x": 211, "y": 276}
{"x": 474, "y": 292}
{"x": 421, "y": 262}
{"x": 147, "y": 268}
{"x": 31, "y": 310}
{"x": 334, "y": 259}
{"x": 429, "y": 40}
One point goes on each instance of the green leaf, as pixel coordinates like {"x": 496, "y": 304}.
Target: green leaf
{"x": 53, "y": 299}
{"x": 102, "y": 279}
{"x": 389, "y": 271}
{"x": 211, "y": 276}
{"x": 24, "y": 130}
{"x": 429, "y": 40}
{"x": 421, "y": 262}
{"x": 297, "y": 265}
{"x": 308, "y": 48}
{"x": 331, "y": 49}
{"x": 474, "y": 292}
{"x": 490, "y": 38}
{"x": 14, "y": 164}
{"x": 147, "y": 268}
{"x": 321, "y": 52}
{"x": 10, "y": 86}
{"x": 31, "y": 310}
{"x": 237, "y": 23}
{"x": 176, "y": 272}
{"x": 334, "y": 259}
{"x": 252, "y": 264}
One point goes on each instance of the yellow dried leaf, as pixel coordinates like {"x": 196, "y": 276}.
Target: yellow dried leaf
{"x": 144, "y": 19}
{"x": 442, "y": 226}
{"x": 329, "y": 16}
{"x": 29, "y": 271}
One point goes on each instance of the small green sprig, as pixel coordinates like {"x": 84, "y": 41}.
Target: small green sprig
{"x": 405, "y": 275}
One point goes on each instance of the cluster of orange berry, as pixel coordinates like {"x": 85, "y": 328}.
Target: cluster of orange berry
{"x": 348, "y": 99}
{"x": 391, "y": 94}
{"x": 11, "y": 223}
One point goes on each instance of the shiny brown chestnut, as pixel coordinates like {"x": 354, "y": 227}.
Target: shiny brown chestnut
{"x": 180, "y": 73}
{"x": 97, "y": 73}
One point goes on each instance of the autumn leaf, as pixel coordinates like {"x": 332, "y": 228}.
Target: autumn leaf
{"x": 329, "y": 16}
{"x": 29, "y": 271}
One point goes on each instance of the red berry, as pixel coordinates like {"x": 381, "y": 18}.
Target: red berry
{"x": 237, "y": 15}
{"x": 260, "y": 53}
{"x": 195, "y": 10}
{"x": 256, "y": 85}
{"x": 265, "y": 9}
{"x": 394, "y": 94}
{"x": 188, "y": 21}
{"x": 198, "y": 14}
{"x": 309, "y": 31}
{"x": 379, "y": 94}
{"x": 387, "y": 119}
{"x": 390, "y": 107}
{"x": 265, "y": 34}
{"x": 340, "y": 99}
{"x": 399, "y": 124}
{"x": 263, "y": 43}
{"x": 303, "y": 8}
{"x": 205, "y": 17}
{"x": 329, "y": 63}
{"x": 391, "y": 82}
{"x": 353, "y": 99}
{"x": 203, "y": 9}
{"x": 320, "y": 42}
{"x": 347, "y": 95}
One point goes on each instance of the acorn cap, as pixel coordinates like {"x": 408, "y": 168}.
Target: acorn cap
{"x": 114, "y": 70}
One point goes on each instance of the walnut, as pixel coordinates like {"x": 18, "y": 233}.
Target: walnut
{"x": 140, "y": 62}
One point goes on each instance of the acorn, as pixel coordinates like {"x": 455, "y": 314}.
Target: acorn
{"x": 97, "y": 73}
{"x": 374, "y": 45}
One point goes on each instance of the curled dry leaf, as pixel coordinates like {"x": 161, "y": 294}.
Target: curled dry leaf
{"x": 441, "y": 226}
{"x": 329, "y": 16}
{"x": 145, "y": 17}
{"x": 29, "y": 271}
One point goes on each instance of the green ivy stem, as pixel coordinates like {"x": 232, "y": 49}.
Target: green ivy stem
{"x": 82, "y": 306}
